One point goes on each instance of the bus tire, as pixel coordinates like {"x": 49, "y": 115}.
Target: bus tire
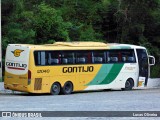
{"x": 55, "y": 88}
{"x": 67, "y": 88}
{"x": 128, "y": 85}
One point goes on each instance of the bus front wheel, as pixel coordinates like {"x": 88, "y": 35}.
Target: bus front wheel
{"x": 67, "y": 88}
{"x": 128, "y": 85}
{"x": 55, "y": 88}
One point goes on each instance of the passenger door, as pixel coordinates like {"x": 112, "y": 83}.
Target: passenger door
{"x": 143, "y": 65}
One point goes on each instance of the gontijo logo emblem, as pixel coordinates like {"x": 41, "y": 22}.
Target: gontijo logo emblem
{"x": 17, "y": 52}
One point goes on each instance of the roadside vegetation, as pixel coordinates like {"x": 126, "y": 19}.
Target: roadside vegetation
{"x": 111, "y": 21}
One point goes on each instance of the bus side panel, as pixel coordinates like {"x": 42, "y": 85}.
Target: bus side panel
{"x": 50, "y": 74}
{"x": 102, "y": 77}
{"x": 83, "y": 76}
{"x": 42, "y": 77}
{"x": 114, "y": 78}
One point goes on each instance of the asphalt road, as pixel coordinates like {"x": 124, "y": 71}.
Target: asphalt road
{"x": 116, "y": 100}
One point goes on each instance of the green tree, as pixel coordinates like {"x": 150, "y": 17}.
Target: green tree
{"x": 45, "y": 21}
{"x": 18, "y": 25}
{"x": 49, "y": 25}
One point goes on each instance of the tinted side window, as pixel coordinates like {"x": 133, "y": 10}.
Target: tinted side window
{"x": 47, "y": 57}
{"x": 53, "y": 57}
{"x": 120, "y": 56}
{"x": 83, "y": 57}
{"x": 128, "y": 56}
{"x": 98, "y": 57}
{"x": 112, "y": 56}
{"x": 40, "y": 58}
{"x": 68, "y": 57}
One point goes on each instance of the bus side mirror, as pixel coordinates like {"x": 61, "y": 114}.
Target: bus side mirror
{"x": 151, "y": 60}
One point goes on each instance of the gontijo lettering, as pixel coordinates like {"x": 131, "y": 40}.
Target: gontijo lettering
{"x": 18, "y": 66}
{"x": 78, "y": 69}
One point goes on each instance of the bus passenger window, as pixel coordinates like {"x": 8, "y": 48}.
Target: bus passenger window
{"x": 83, "y": 57}
{"x": 98, "y": 60}
{"x": 108, "y": 59}
{"x": 114, "y": 59}
{"x": 40, "y": 57}
{"x": 68, "y": 57}
{"x": 64, "y": 60}
{"x": 54, "y": 61}
{"x": 53, "y": 57}
{"x": 98, "y": 57}
{"x": 81, "y": 60}
{"x": 112, "y": 56}
{"x": 128, "y": 56}
{"x": 123, "y": 59}
{"x": 131, "y": 59}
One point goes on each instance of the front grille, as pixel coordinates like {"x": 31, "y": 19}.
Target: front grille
{"x": 38, "y": 84}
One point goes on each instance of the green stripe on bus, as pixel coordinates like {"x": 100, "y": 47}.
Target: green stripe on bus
{"x": 106, "y": 74}
{"x": 115, "y": 70}
{"x": 101, "y": 75}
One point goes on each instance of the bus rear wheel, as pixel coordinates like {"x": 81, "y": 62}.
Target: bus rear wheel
{"x": 129, "y": 85}
{"x": 55, "y": 88}
{"x": 67, "y": 88}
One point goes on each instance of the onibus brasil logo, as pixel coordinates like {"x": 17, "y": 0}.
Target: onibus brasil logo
{"x": 17, "y": 52}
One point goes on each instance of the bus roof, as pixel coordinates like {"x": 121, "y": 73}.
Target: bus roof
{"x": 79, "y": 45}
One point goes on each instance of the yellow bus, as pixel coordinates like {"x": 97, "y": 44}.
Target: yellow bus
{"x": 65, "y": 67}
